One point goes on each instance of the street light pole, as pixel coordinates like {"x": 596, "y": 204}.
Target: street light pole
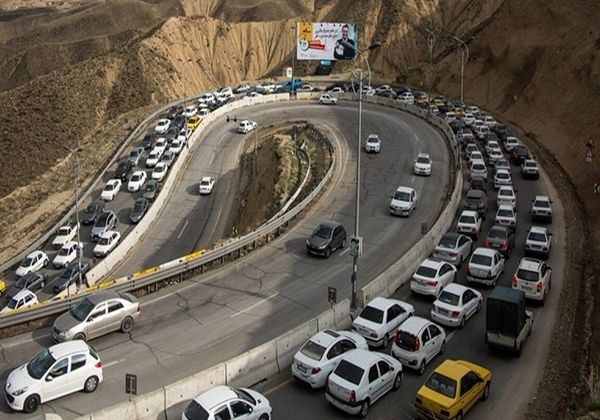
{"x": 76, "y": 181}
{"x": 431, "y": 44}
{"x": 463, "y": 61}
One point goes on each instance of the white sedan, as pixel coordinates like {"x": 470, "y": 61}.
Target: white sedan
{"x": 160, "y": 145}
{"x": 327, "y": 99}
{"x": 431, "y": 276}
{"x": 321, "y": 353}
{"x": 153, "y": 158}
{"x": 246, "y": 126}
{"x": 107, "y": 242}
{"x": 33, "y": 262}
{"x": 176, "y": 146}
{"x": 160, "y": 171}
{"x": 190, "y": 111}
{"x": 455, "y": 305}
{"x": 506, "y": 195}
{"x": 485, "y": 266}
{"x": 506, "y": 216}
{"x": 422, "y": 164}
{"x": 67, "y": 254}
{"x": 162, "y": 126}
{"x": 65, "y": 234}
{"x": 373, "y": 144}
{"x": 380, "y": 318}
{"x": 206, "y": 185}
{"x": 112, "y": 188}
{"x": 137, "y": 181}
{"x": 469, "y": 223}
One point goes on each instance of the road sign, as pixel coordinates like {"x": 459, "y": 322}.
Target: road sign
{"x": 332, "y": 295}
{"x": 131, "y": 384}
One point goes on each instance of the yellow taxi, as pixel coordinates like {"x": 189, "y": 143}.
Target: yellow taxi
{"x": 459, "y": 112}
{"x": 2, "y": 286}
{"x": 439, "y": 103}
{"x": 452, "y": 390}
{"x": 193, "y": 122}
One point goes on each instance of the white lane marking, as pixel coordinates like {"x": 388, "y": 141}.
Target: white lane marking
{"x": 114, "y": 362}
{"x": 183, "y": 228}
{"x": 278, "y": 387}
{"x": 216, "y": 223}
{"x": 450, "y": 335}
{"x": 254, "y": 305}
{"x": 345, "y": 251}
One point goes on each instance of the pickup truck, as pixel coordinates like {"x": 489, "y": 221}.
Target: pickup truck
{"x": 508, "y": 323}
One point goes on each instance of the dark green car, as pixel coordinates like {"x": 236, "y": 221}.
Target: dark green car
{"x": 151, "y": 190}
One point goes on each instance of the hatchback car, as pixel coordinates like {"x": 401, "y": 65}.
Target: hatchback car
{"x": 506, "y": 195}
{"x": 538, "y": 242}
{"x": 162, "y": 125}
{"x": 519, "y": 154}
{"x": 501, "y": 238}
{"x": 326, "y": 238}
{"x": 495, "y": 154}
{"x": 530, "y": 169}
{"x": 135, "y": 156}
{"x": 153, "y": 158}
{"x": 54, "y": 372}
{"x": 541, "y": 210}
{"x": 30, "y": 281}
{"x": 431, "y": 276}
{"x": 106, "y": 221}
{"x": 422, "y": 164}
{"x": 485, "y": 266}
{"x": 168, "y": 158}
{"x": 246, "y": 126}
{"x": 478, "y": 183}
{"x": 112, "y": 188}
{"x": 106, "y": 243}
{"x": 321, "y": 353}
{"x": 206, "y": 185}
{"x": 453, "y": 389}
{"x": 92, "y": 212}
{"x": 33, "y": 262}
{"x": 161, "y": 146}
{"x": 510, "y": 143}
{"x": 137, "y": 180}
{"x": 506, "y": 216}
{"x": 478, "y": 169}
{"x": 469, "y": 223}
{"x": 360, "y": 379}
{"x": 476, "y": 156}
{"x": 380, "y": 318}
{"x": 453, "y": 248}
{"x": 151, "y": 190}
{"x": 139, "y": 209}
{"x": 70, "y": 275}
{"x": 327, "y": 99}
{"x": 477, "y": 200}
{"x": 97, "y": 314}
{"x": 23, "y": 299}
{"x": 502, "y": 177}
{"x": 373, "y": 144}
{"x": 533, "y": 277}
{"x": 404, "y": 201}
{"x": 455, "y": 305}
{"x": 417, "y": 342}
{"x": 502, "y": 164}
{"x": 225, "y": 402}
{"x": 160, "y": 171}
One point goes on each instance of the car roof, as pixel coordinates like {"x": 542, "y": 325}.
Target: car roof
{"x": 382, "y": 303}
{"x": 206, "y": 178}
{"x": 468, "y": 213}
{"x": 106, "y": 234}
{"x": 325, "y": 337}
{"x": 485, "y": 251}
{"x": 423, "y": 155}
{"x": 541, "y": 198}
{"x": 530, "y": 264}
{"x": 476, "y": 193}
{"x": 61, "y": 350}
{"x": 215, "y": 396}
{"x": 455, "y": 288}
{"x": 538, "y": 229}
{"x": 23, "y": 293}
{"x": 452, "y": 369}
{"x": 430, "y": 262}
{"x": 102, "y": 296}
{"x": 414, "y": 325}
{"x": 500, "y": 227}
{"x": 506, "y": 207}
{"x": 530, "y": 161}
{"x": 361, "y": 358}
{"x": 404, "y": 189}
{"x": 502, "y": 171}
{"x": 331, "y": 224}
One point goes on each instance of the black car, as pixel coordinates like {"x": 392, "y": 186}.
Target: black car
{"x": 149, "y": 140}
{"x": 500, "y": 130}
{"x": 457, "y": 125}
{"x": 179, "y": 122}
{"x": 172, "y": 134}
{"x": 123, "y": 170}
{"x": 477, "y": 200}
{"x": 519, "y": 154}
{"x": 139, "y": 209}
{"x": 478, "y": 183}
{"x": 502, "y": 239}
{"x": 30, "y": 281}
{"x": 70, "y": 275}
{"x": 491, "y": 136}
{"x": 92, "y": 212}
{"x": 326, "y": 238}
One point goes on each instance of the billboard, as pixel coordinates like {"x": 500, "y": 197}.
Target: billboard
{"x": 326, "y": 41}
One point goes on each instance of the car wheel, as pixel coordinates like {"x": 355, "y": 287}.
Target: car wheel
{"x": 45, "y": 263}
{"x": 327, "y": 252}
{"x": 443, "y": 348}
{"x": 386, "y": 340}
{"x": 343, "y": 243}
{"x": 127, "y": 324}
{"x": 397, "y": 381}
{"x": 520, "y": 349}
{"x": 422, "y": 368}
{"x": 265, "y": 416}
{"x": 486, "y": 392}
{"x": 31, "y": 403}
{"x": 462, "y": 322}
{"x": 459, "y": 416}
{"x": 364, "y": 409}
{"x": 42, "y": 284}
{"x": 91, "y": 384}
{"x": 79, "y": 336}
{"x": 478, "y": 307}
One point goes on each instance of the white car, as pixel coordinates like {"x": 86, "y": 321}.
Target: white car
{"x": 510, "y": 143}
{"x": 65, "y": 234}
{"x": 530, "y": 169}
{"x": 469, "y": 223}
{"x": 22, "y": 300}
{"x": 453, "y": 248}
{"x": 481, "y": 131}
{"x": 455, "y": 305}
{"x": 327, "y": 99}
{"x": 226, "y": 402}
{"x": 112, "y": 188}
{"x": 368, "y": 91}
{"x": 253, "y": 94}
{"x": 206, "y": 99}
{"x": 360, "y": 379}
{"x": 478, "y": 168}
{"x": 506, "y": 216}
{"x": 502, "y": 163}
{"x": 473, "y": 109}
{"x": 485, "y": 266}
{"x": 190, "y": 111}
{"x": 321, "y": 353}
{"x": 106, "y": 242}
{"x": 417, "y": 342}
{"x": 373, "y": 144}
{"x": 206, "y": 185}
{"x": 538, "y": 242}
{"x": 337, "y": 89}
{"x": 66, "y": 254}
{"x": 431, "y": 277}
{"x": 502, "y": 177}
{"x": 176, "y": 146}
{"x": 162, "y": 126}
{"x": 59, "y": 370}
{"x": 404, "y": 201}
{"x": 161, "y": 145}
{"x": 379, "y": 319}
{"x": 153, "y": 158}
{"x": 541, "y": 209}
{"x": 506, "y": 196}
{"x": 246, "y": 126}
{"x": 202, "y": 112}
{"x": 494, "y": 155}
{"x": 468, "y": 118}
{"x": 475, "y": 155}
{"x": 422, "y": 164}
{"x": 241, "y": 88}
{"x": 33, "y": 262}
{"x": 491, "y": 145}
{"x": 406, "y": 98}
{"x": 223, "y": 98}
{"x": 489, "y": 121}
{"x": 470, "y": 148}
{"x": 160, "y": 171}
{"x": 533, "y": 277}
{"x": 450, "y": 117}
{"x": 137, "y": 181}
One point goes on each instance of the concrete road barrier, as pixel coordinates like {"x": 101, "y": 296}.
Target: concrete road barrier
{"x": 252, "y": 366}
{"x": 289, "y": 343}
{"x": 144, "y": 407}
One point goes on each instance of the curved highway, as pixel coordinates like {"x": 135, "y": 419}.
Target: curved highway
{"x": 214, "y": 317}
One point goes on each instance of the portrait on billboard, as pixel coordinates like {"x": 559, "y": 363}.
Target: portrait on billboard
{"x": 326, "y": 41}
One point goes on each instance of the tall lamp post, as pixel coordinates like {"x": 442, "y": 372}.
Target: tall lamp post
{"x": 76, "y": 182}
{"x": 430, "y": 44}
{"x": 183, "y": 83}
{"x": 463, "y": 61}
{"x": 360, "y": 75}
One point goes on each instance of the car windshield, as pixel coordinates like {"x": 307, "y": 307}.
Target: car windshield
{"x": 149, "y": 188}
{"x": 109, "y": 187}
{"x": 402, "y": 196}
{"x": 243, "y": 395}
{"x": 537, "y": 237}
{"x": 502, "y": 175}
{"x": 28, "y": 262}
{"x": 448, "y": 242}
{"x": 349, "y": 372}
{"x": 442, "y": 384}
{"x": 195, "y": 411}
{"x": 40, "y": 364}
{"x": 467, "y": 219}
{"x": 82, "y": 310}
{"x": 425, "y": 271}
{"x": 527, "y": 275}
{"x": 135, "y": 178}
{"x": 423, "y": 160}
{"x": 138, "y": 206}
{"x": 372, "y": 314}
{"x": 104, "y": 240}
{"x": 64, "y": 251}
{"x": 530, "y": 164}
{"x": 373, "y": 140}
{"x": 449, "y": 298}
{"x": 323, "y": 232}
{"x": 542, "y": 204}
{"x": 480, "y": 259}
{"x": 406, "y": 340}
{"x": 205, "y": 183}
{"x": 497, "y": 234}
{"x": 12, "y": 304}
{"x": 313, "y": 350}
{"x": 505, "y": 213}
{"x": 63, "y": 231}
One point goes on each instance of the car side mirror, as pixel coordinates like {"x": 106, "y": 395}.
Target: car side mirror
{"x": 90, "y": 319}
{"x": 49, "y": 378}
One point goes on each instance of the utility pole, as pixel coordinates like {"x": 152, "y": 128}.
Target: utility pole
{"x": 431, "y": 45}
{"x": 74, "y": 152}
{"x": 463, "y": 61}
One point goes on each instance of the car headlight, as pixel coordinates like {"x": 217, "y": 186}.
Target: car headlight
{"x": 20, "y": 391}
{"x": 65, "y": 333}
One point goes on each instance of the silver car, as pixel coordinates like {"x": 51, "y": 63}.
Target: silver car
{"x": 453, "y": 248}
{"x": 96, "y": 315}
